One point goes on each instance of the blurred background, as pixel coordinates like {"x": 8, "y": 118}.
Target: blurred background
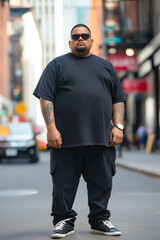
{"x": 32, "y": 33}
{"x": 125, "y": 32}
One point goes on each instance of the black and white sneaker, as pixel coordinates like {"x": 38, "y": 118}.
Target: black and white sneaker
{"x": 63, "y": 229}
{"x": 106, "y": 228}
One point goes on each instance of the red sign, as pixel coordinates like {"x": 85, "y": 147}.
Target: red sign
{"x": 123, "y": 62}
{"x": 134, "y": 85}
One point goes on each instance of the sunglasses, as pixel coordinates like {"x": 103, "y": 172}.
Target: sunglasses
{"x": 85, "y": 36}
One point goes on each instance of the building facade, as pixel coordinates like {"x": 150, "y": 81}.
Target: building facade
{"x": 95, "y": 24}
{"x": 129, "y": 27}
{"x": 5, "y": 89}
{"x": 72, "y": 12}
{"x": 149, "y": 69}
{"x": 44, "y": 13}
{"x": 26, "y": 60}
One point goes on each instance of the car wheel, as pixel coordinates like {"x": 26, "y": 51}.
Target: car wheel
{"x": 0, "y": 159}
{"x": 34, "y": 160}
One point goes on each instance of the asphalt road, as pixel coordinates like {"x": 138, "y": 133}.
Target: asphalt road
{"x": 25, "y": 204}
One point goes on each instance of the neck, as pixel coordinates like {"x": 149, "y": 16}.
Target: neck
{"x": 81, "y": 54}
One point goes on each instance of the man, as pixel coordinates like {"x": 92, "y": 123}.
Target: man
{"x": 79, "y": 92}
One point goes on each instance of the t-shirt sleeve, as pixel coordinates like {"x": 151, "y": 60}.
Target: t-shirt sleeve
{"x": 46, "y": 87}
{"x": 118, "y": 92}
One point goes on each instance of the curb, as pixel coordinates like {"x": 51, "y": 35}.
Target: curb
{"x": 146, "y": 172}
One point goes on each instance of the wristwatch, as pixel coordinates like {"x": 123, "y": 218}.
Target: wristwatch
{"x": 119, "y": 126}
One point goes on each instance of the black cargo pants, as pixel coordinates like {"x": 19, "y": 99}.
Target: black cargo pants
{"x": 97, "y": 166}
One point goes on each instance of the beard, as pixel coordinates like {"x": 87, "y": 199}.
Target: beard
{"x": 81, "y": 49}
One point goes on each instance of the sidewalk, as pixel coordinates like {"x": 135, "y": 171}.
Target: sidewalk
{"x": 140, "y": 161}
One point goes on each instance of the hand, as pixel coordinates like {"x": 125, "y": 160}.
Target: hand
{"x": 54, "y": 137}
{"x": 116, "y": 137}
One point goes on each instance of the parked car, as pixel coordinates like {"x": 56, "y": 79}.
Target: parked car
{"x": 17, "y": 140}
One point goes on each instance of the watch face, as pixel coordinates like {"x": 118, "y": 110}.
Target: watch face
{"x": 120, "y": 126}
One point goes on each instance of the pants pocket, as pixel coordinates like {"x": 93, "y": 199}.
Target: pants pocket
{"x": 52, "y": 161}
{"x": 113, "y": 150}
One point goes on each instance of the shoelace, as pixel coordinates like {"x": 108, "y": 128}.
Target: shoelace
{"x": 108, "y": 224}
{"x": 60, "y": 225}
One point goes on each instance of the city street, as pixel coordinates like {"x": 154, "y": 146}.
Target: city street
{"x": 79, "y": 73}
{"x": 25, "y": 204}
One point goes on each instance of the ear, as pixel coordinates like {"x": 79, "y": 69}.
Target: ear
{"x": 92, "y": 42}
{"x": 69, "y": 43}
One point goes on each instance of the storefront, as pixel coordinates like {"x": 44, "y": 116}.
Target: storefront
{"x": 149, "y": 68}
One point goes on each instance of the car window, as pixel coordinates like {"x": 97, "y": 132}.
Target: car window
{"x": 17, "y": 131}
{"x": 20, "y": 129}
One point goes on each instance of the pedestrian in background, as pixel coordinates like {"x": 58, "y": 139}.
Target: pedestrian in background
{"x": 141, "y": 136}
{"x": 79, "y": 95}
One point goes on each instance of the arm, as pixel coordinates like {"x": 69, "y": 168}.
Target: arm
{"x": 53, "y": 136}
{"x": 116, "y": 135}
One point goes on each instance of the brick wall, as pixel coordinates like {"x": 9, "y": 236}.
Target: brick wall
{"x": 4, "y": 50}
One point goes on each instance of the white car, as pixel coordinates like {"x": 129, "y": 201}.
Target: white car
{"x": 17, "y": 140}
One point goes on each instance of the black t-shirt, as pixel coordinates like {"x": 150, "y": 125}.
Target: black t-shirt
{"x": 82, "y": 90}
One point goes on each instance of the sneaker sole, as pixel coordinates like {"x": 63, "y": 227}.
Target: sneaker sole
{"x": 61, "y": 235}
{"x": 106, "y": 233}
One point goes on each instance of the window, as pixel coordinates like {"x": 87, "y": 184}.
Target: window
{"x": 40, "y": 10}
{"x": 46, "y": 10}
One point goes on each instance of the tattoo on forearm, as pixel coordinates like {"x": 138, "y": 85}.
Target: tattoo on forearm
{"x": 120, "y": 111}
{"x": 47, "y": 111}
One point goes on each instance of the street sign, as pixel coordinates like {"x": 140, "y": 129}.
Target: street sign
{"x": 134, "y": 85}
{"x": 112, "y": 39}
{"x": 3, "y": 113}
{"x": 121, "y": 62}
{"x": 20, "y": 108}
{"x": 109, "y": 27}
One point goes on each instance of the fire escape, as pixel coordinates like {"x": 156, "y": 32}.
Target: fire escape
{"x": 127, "y": 23}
